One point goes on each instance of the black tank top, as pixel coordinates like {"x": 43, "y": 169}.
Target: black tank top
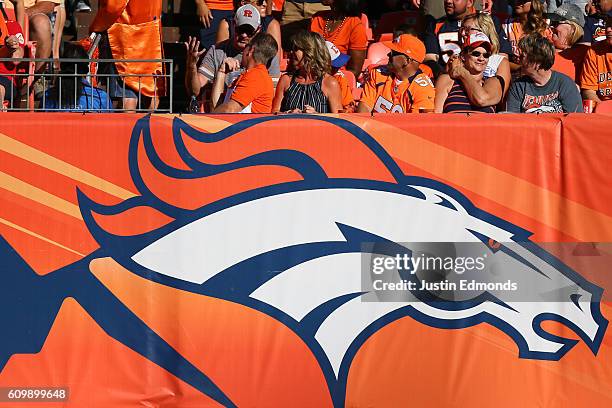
{"x": 298, "y": 95}
{"x": 458, "y": 101}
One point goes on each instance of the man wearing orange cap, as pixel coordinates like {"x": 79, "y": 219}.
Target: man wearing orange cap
{"x": 400, "y": 86}
{"x": 132, "y": 30}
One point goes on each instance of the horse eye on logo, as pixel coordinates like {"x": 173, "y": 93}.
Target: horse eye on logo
{"x": 270, "y": 260}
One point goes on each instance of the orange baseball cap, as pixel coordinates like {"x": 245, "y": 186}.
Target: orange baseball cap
{"x": 408, "y": 45}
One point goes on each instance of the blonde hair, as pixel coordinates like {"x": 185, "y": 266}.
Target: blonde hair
{"x": 577, "y": 35}
{"x": 535, "y": 22}
{"x": 485, "y": 22}
{"x": 316, "y": 60}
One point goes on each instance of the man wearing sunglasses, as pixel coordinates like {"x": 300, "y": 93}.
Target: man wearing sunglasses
{"x": 596, "y": 76}
{"x": 400, "y": 86}
{"x": 540, "y": 89}
{"x": 225, "y": 56}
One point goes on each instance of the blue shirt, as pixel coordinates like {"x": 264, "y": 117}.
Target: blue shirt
{"x": 91, "y": 100}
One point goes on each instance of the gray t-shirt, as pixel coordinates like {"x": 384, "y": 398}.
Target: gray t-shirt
{"x": 216, "y": 54}
{"x": 560, "y": 94}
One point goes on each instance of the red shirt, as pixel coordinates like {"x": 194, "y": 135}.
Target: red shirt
{"x": 12, "y": 28}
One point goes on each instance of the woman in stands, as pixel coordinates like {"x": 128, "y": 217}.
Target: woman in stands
{"x": 498, "y": 63}
{"x": 342, "y": 26}
{"x": 464, "y": 88}
{"x": 73, "y": 92}
{"x": 528, "y": 17}
{"x": 309, "y": 87}
{"x": 268, "y": 23}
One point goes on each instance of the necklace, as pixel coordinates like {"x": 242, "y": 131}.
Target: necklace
{"x": 328, "y": 24}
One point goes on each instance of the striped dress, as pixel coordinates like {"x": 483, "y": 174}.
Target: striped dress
{"x": 298, "y": 95}
{"x": 458, "y": 101}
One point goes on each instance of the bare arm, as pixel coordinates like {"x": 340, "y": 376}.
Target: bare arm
{"x": 222, "y": 32}
{"x": 590, "y": 95}
{"x": 230, "y": 106}
{"x": 489, "y": 94}
{"x": 283, "y": 84}
{"x": 355, "y": 64}
{"x": 443, "y": 87}
{"x": 363, "y": 107}
{"x": 275, "y": 31}
{"x": 203, "y": 13}
{"x": 331, "y": 89}
{"x": 229, "y": 65}
{"x": 19, "y": 12}
{"x": 194, "y": 81}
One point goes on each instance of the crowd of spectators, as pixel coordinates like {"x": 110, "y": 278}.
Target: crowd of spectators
{"x": 269, "y": 56}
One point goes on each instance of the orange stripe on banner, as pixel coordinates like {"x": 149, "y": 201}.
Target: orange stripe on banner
{"x": 26, "y": 190}
{"x": 32, "y": 233}
{"x": 205, "y": 123}
{"x": 47, "y": 161}
{"x": 499, "y": 186}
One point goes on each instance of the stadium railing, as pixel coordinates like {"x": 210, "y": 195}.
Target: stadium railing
{"x": 22, "y": 98}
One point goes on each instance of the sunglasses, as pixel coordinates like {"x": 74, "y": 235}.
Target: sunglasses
{"x": 246, "y": 29}
{"x": 395, "y": 54}
{"x": 478, "y": 54}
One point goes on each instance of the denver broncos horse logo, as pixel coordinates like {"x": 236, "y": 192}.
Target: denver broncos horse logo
{"x": 288, "y": 242}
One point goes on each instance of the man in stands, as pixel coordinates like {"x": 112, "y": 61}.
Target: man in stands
{"x": 253, "y": 91}
{"x": 40, "y": 27}
{"x": 12, "y": 43}
{"x": 442, "y": 36}
{"x": 338, "y": 60}
{"x": 541, "y": 90}
{"x": 596, "y": 77}
{"x": 400, "y": 86}
{"x": 248, "y": 24}
{"x": 567, "y": 24}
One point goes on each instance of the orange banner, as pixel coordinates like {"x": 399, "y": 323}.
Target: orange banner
{"x": 197, "y": 261}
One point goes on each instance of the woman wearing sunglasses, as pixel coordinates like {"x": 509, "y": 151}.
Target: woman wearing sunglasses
{"x": 463, "y": 88}
{"x": 498, "y": 63}
{"x": 308, "y": 87}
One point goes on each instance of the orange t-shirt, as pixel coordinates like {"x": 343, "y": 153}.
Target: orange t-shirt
{"x": 597, "y": 70}
{"x": 384, "y": 93}
{"x": 350, "y": 35}
{"x": 348, "y": 103}
{"x": 220, "y": 4}
{"x": 255, "y": 88}
{"x": 569, "y": 61}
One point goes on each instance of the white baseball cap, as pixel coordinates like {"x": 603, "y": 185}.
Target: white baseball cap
{"x": 248, "y": 14}
{"x": 338, "y": 59}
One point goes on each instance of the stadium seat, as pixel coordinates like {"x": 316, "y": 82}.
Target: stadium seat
{"x": 604, "y": 107}
{"x": 389, "y": 21}
{"x": 385, "y": 37}
{"x": 366, "y": 24}
{"x": 377, "y": 54}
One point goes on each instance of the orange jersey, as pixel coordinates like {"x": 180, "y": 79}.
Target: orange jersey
{"x": 254, "y": 89}
{"x": 384, "y": 93}
{"x": 569, "y": 61}
{"x": 220, "y": 4}
{"x": 597, "y": 70}
{"x": 348, "y": 103}
{"x": 350, "y": 35}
